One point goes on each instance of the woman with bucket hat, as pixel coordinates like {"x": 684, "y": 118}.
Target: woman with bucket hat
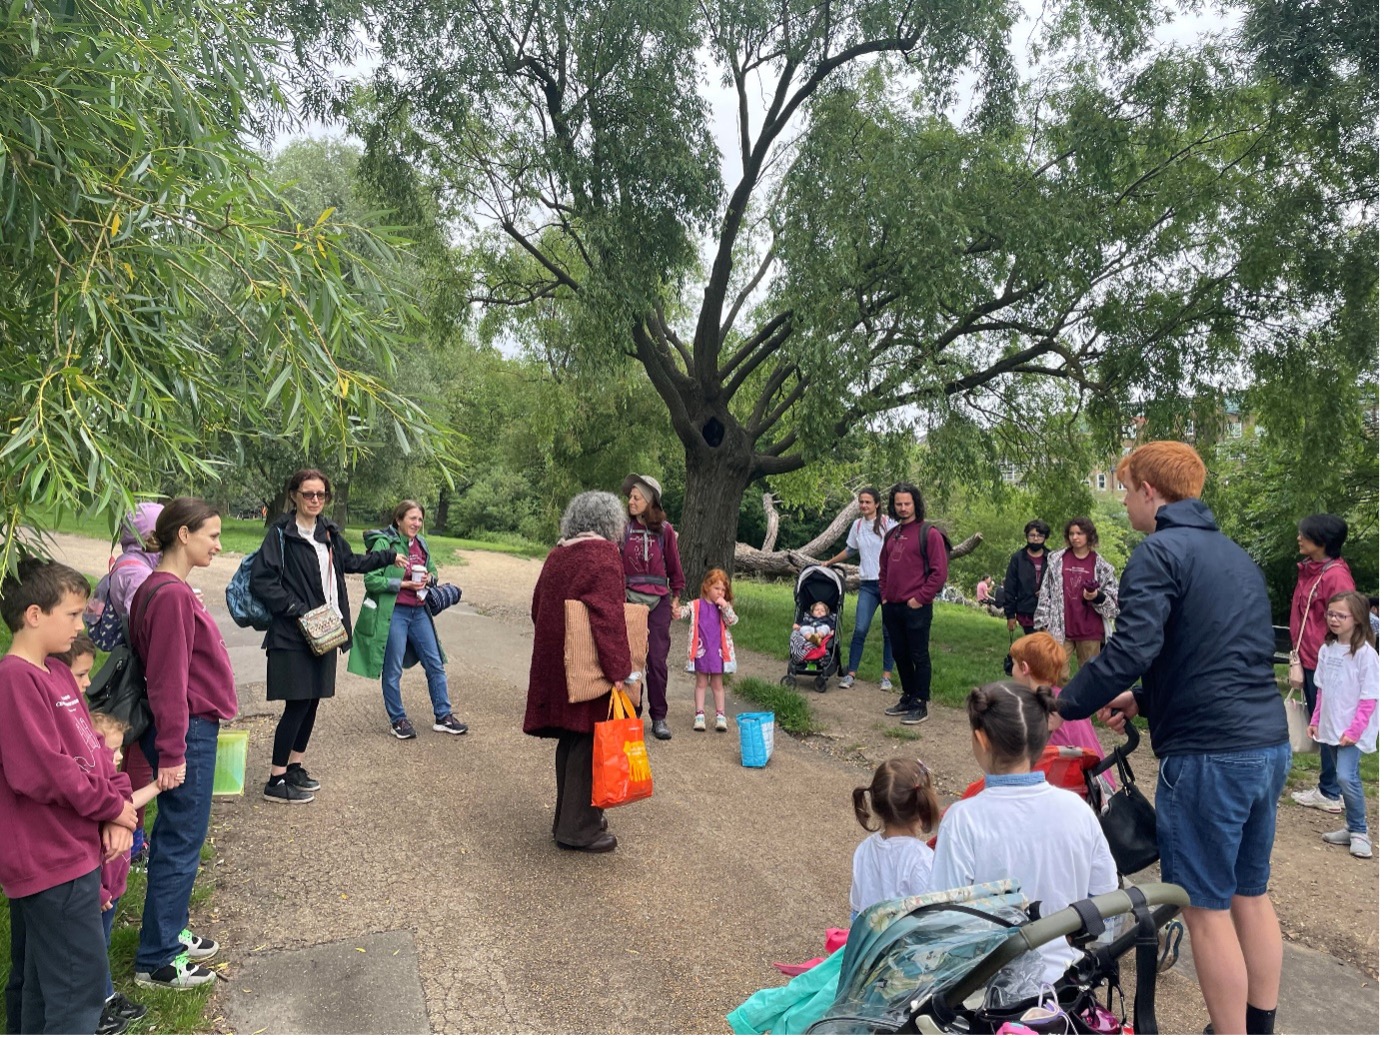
{"x": 653, "y": 578}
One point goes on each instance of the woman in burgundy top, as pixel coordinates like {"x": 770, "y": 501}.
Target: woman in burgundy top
{"x": 1080, "y": 593}
{"x": 191, "y": 691}
{"x": 653, "y": 574}
{"x": 584, "y": 566}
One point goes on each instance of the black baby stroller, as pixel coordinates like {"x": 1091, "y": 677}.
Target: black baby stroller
{"x": 818, "y": 584}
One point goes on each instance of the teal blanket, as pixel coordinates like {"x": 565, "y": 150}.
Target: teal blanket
{"x": 795, "y": 1006}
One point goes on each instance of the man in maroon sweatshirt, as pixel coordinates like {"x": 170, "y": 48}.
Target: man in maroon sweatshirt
{"x": 912, "y": 570}
{"x": 61, "y": 812}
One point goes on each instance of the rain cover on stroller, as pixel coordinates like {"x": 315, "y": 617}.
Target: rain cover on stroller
{"x": 901, "y": 952}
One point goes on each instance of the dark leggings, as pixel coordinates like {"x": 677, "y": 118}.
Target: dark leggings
{"x": 294, "y": 730}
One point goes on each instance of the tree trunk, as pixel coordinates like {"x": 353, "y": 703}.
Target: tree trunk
{"x": 716, "y": 481}
{"x": 341, "y": 503}
{"x": 276, "y": 507}
{"x": 444, "y": 503}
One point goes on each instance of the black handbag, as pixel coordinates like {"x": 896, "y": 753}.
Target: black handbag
{"x": 119, "y": 688}
{"x": 1129, "y": 822}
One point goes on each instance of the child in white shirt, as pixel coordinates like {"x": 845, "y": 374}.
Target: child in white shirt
{"x": 1019, "y": 827}
{"x": 893, "y": 861}
{"x": 1346, "y": 721}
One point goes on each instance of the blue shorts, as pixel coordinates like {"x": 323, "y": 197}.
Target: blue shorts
{"x": 1217, "y": 813}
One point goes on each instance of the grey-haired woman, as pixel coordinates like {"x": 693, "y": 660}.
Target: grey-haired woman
{"x": 585, "y": 566}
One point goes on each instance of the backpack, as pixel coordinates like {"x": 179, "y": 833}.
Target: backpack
{"x": 119, "y": 688}
{"x": 102, "y": 618}
{"x": 923, "y": 528}
{"x": 245, "y": 609}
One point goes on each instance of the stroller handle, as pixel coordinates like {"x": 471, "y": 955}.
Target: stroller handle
{"x": 1164, "y": 899}
{"x": 1131, "y": 744}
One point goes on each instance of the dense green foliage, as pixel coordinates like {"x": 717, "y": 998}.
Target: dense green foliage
{"x": 159, "y": 294}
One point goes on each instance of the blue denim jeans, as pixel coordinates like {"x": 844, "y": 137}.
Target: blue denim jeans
{"x": 108, "y": 921}
{"x": 175, "y": 845}
{"x": 866, "y": 602}
{"x": 1326, "y": 781}
{"x": 1345, "y": 764}
{"x": 413, "y": 625}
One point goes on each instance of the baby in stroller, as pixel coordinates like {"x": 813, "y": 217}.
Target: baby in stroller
{"x": 812, "y": 634}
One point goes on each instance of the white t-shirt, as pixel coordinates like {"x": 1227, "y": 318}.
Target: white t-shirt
{"x": 863, "y": 539}
{"x": 324, "y": 568}
{"x": 1343, "y": 680}
{"x": 1048, "y": 839}
{"x": 889, "y": 867}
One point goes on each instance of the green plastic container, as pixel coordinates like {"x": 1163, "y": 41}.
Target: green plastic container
{"x": 229, "y": 780}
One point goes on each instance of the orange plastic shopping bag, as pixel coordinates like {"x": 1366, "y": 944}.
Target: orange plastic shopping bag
{"x": 619, "y": 762}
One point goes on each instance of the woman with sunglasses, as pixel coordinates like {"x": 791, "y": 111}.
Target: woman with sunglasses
{"x": 302, "y": 565}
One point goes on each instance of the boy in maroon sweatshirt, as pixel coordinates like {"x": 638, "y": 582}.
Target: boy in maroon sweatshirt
{"x": 60, "y": 809}
{"x": 912, "y": 570}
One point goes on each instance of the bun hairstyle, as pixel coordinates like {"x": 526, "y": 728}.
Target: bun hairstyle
{"x": 191, "y": 512}
{"x": 1014, "y": 719}
{"x": 900, "y": 794}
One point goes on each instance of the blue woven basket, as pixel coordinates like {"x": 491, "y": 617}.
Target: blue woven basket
{"x": 756, "y": 738}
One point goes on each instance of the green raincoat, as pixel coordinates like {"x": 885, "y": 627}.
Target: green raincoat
{"x": 376, "y": 611}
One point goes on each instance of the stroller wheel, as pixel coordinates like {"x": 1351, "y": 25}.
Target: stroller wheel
{"x": 788, "y": 681}
{"x": 821, "y": 683}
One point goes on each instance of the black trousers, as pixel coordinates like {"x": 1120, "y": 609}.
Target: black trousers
{"x": 575, "y": 822}
{"x": 58, "y": 948}
{"x": 909, "y": 632}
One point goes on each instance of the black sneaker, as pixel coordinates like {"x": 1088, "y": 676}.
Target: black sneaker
{"x": 450, "y": 725}
{"x": 178, "y": 974}
{"x": 111, "y": 1022}
{"x": 898, "y": 709}
{"x": 279, "y": 791}
{"x": 917, "y": 715}
{"x": 124, "y": 1007}
{"x": 403, "y": 729}
{"x": 298, "y": 778}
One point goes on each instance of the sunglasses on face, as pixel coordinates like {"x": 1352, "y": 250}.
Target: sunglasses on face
{"x": 313, "y": 495}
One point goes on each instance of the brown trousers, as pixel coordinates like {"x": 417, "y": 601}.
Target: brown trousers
{"x": 575, "y": 822}
{"x": 1083, "y": 651}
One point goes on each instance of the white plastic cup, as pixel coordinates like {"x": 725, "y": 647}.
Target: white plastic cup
{"x": 420, "y": 574}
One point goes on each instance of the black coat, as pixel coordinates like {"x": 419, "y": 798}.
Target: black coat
{"x": 1021, "y": 584}
{"x": 289, "y": 582}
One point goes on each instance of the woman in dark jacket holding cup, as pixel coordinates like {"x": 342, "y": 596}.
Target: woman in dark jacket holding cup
{"x": 584, "y": 566}
{"x": 302, "y": 565}
{"x": 653, "y": 577}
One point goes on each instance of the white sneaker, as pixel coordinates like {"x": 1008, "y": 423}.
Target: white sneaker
{"x": 885, "y": 685}
{"x": 1338, "y": 838}
{"x": 178, "y": 974}
{"x": 1315, "y": 798}
{"x": 720, "y": 722}
{"x": 699, "y": 722}
{"x": 1360, "y": 846}
{"x": 846, "y": 681}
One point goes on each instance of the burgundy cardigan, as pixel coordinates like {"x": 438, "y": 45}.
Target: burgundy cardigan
{"x": 590, "y": 570}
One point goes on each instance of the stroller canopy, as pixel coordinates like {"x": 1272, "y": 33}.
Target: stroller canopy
{"x": 819, "y": 584}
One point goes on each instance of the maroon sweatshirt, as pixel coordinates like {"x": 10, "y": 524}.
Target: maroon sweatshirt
{"x": 56, "y": 780}
{"x": 116, "y": 872}
{"x": 901, "y": 565}
{"x": 186, "y": 667}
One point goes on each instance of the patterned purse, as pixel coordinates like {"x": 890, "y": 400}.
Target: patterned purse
{"x": 323, "y": 630}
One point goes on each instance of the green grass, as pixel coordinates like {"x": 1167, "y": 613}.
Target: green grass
{"x": 243, "y": 536}
{"x": 968, "y": 647}
{"x": 170, "y": 1012}
{"x": 904, "y": 734}
{"x": 790, "y": 708}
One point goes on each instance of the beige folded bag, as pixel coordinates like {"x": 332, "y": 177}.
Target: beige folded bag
{"x": 585, "y": 680}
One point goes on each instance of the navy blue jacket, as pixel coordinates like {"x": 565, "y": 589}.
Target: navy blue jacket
{"x": 1195, "y": 625}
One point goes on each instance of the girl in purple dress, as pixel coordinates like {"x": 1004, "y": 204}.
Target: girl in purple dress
{"x": 710, "y": 651}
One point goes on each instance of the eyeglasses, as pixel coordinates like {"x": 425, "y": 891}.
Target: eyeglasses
{"x": 313, "y": 495}
{"x": 1338, "y": 616}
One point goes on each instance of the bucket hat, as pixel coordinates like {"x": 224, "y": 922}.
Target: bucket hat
{"x": 646, "y": 483}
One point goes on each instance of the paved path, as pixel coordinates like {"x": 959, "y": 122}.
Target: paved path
{"x": 437, "y": 851}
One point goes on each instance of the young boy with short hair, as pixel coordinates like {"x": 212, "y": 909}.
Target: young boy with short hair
{"x": 60, "y": 809}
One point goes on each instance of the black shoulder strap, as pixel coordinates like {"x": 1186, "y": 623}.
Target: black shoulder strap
{"x": 923, "y": 529}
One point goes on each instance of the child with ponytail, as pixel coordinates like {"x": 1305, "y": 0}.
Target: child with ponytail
{"x": 1019, "y": 827}
{"x": 893, "y": 861}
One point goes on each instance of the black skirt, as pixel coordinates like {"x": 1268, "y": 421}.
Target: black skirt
{"x": 298, "y": 674}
